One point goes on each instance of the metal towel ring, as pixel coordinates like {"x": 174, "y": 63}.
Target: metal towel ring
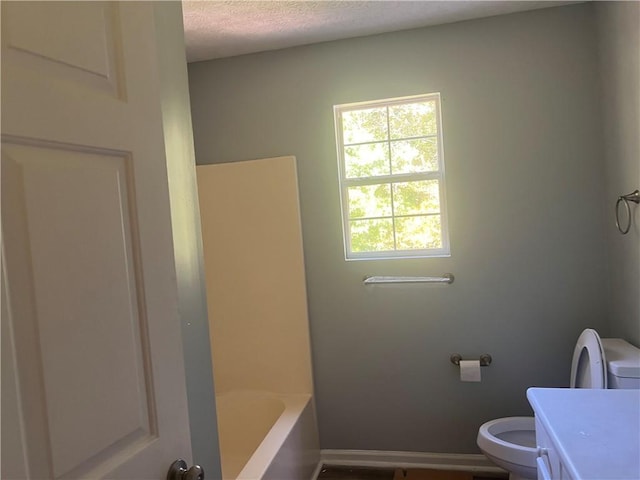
{"x": 630, "y": 197}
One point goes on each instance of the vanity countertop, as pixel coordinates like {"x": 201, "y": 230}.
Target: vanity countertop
{"x": 596, "y": 432}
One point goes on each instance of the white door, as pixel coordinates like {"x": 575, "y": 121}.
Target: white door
{"x": 93, "y": 379}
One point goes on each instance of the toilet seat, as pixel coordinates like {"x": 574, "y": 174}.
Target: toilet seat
{"x": 519, "y": 457}
{"x": 510, "y": 442}
{"x": 588, "y": 367}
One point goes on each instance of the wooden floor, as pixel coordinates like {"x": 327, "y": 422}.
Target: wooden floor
{"x": 349, "y": 473}
{"x": 363, "y": 473}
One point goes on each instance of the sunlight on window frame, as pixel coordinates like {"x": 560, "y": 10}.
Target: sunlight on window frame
{"x": 387, "y": 177}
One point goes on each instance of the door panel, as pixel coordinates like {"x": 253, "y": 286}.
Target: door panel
{"x": 95, "y": 377}
{"x": 88, "y": 54}
{"x": 65, "y": 243}
{"x": 86, "y": 24}
{"x": 13, "y": 441}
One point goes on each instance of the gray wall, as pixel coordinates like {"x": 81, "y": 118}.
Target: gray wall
{"x": 187, "y": 238}
{"x": 619, "y": 35}
{"x": 523, "y": 152}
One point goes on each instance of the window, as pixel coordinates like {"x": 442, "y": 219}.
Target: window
{"x": 392, "y": 178}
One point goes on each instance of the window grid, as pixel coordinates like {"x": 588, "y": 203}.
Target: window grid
{"x": 393, "y": 214}
{"x": 391, "y": 180}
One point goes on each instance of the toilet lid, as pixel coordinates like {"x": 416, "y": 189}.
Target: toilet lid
{"x": 588, "y": 368}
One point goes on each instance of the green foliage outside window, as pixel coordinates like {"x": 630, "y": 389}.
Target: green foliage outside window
{"x": 392, "y": 176}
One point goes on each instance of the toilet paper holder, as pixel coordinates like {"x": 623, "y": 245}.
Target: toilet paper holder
{"x": 485, "y": 359}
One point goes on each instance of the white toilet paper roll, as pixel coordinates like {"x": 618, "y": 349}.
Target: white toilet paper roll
{"x": 469, "y": 370}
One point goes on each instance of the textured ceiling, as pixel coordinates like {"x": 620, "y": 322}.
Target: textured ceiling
{"x": 223, "y": 28}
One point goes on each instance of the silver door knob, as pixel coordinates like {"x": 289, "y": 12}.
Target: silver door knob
{"x": 178, "y": 471}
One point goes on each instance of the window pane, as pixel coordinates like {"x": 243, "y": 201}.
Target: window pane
{"x": 418, "y": 232}
{"x": 366, "y": 125}
{"x": 391, "y": 176}
{"x": 366, "y": 160}
{"x": 409, "y": 156}
{"x": 413, "y": 120}
{"x": 411, "y": 198}
{"x": 371, "y": 235}
{"x": 370, "y": 201}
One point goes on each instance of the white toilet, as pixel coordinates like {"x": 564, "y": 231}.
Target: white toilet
{"x": 597, "y": 363}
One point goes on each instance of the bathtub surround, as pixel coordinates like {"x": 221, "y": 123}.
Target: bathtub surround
{"x": 258, "y": 319}
{"x": 619, "y": 37}
{"x": 255, "y": 276}
{"x": 521, "y": 116}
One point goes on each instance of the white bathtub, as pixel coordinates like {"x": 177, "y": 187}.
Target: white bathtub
{"x": 264, "y": 436}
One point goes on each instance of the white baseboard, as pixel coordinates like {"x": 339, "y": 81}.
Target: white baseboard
{"x": 438, "y": 461}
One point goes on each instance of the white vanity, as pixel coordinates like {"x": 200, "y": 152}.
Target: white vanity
{"x": 587, "y": 434}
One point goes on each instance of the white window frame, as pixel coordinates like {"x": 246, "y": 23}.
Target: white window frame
{"x": 345, "y": 182}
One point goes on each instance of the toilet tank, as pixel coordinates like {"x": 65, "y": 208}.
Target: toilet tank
{"x": 623, "y": 363}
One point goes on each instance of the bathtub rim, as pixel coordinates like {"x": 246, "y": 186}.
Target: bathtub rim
{"x": 263, "y": 456}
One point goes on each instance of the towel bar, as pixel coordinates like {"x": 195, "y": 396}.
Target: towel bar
{"x": 371, "y": 280}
